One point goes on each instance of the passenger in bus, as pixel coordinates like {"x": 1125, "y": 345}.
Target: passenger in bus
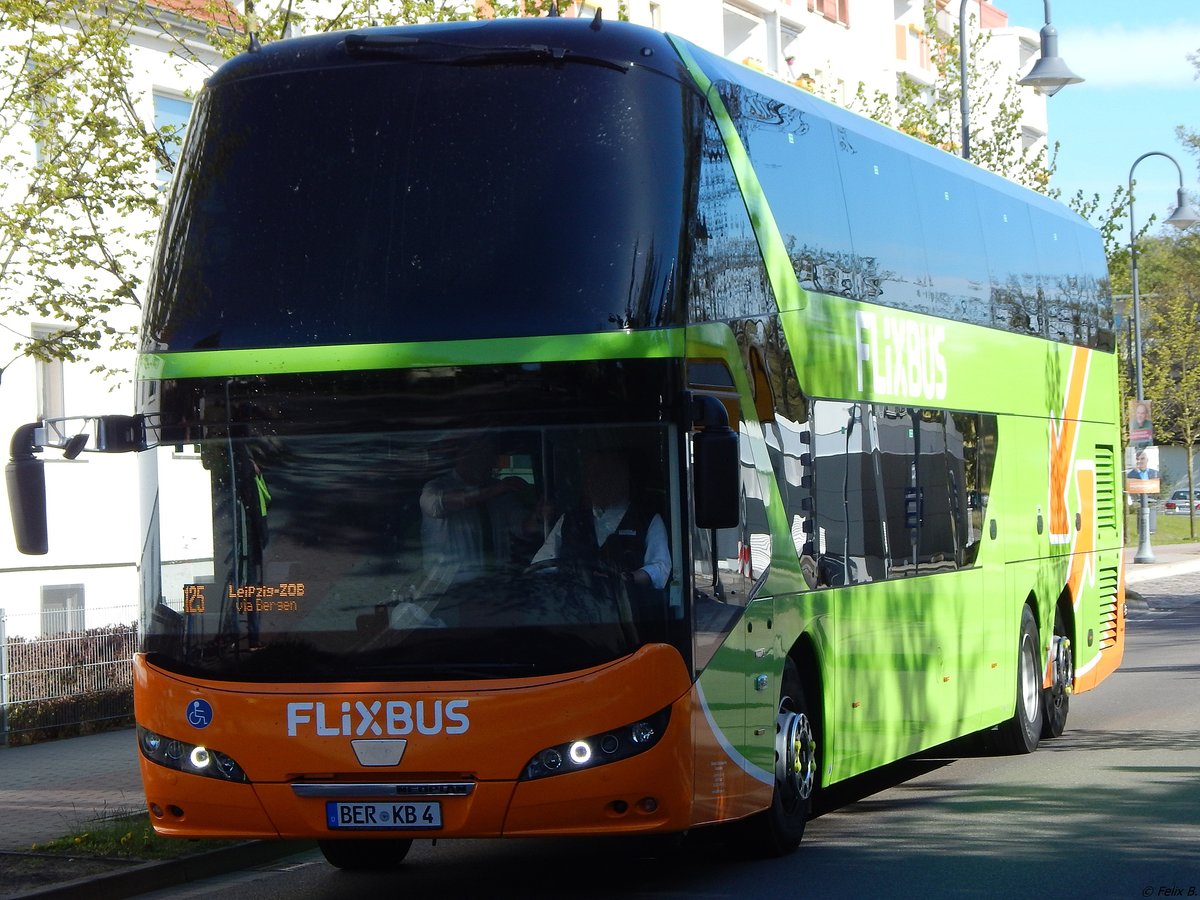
{"x": 612, "y": 530}
{"x": 469, "y": 517}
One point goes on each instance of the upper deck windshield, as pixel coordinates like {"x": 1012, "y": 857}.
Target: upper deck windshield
{"x": 351, "y": 528}
{"x": 404, "y": 197}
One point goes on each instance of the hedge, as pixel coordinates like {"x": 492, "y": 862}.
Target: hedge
{"x": 66, "y": 685}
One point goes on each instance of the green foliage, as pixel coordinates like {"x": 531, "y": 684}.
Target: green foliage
{"x": 62, "y": 717}
{"x": 1169, "y": 287}
{"x": 1191, "y": 139}
{"x": 79, "y": 201}
{"x": 124, "y": 837}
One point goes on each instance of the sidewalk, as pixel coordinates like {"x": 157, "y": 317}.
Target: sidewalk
{"x": 49, "y": 790}
{"x": 1169, "y": 560}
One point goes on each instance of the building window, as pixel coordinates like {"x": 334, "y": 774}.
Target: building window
{"x": 48, "y": 374}
{"x": 170, "y": 121}
{"x": 62, "y": 608}
{"x": 833, "y": 10}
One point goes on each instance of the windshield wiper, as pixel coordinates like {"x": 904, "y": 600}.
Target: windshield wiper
{"x": 418, "y": 50}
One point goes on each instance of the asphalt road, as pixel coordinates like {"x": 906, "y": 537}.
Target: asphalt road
{"x": 1110, "y": 809}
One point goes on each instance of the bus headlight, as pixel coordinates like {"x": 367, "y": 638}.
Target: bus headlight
{"x": 194, "y": 759}
{"x": 598, "y": 749}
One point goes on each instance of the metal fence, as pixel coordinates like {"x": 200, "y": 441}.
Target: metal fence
{"x": 66, "y": 679}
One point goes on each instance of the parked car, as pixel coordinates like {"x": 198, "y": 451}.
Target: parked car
{"x": 1177, "y": 503}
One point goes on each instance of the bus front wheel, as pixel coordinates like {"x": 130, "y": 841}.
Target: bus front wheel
{"x": 364, "y": 855}
{"x": 1023, "y": 731}
{"x": 778, "y": 830}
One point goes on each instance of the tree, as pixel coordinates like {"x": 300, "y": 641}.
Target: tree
{"x": 1191, "y": 139}
{"x": 1169, "y": 270}
{"x": 77, "y": 202}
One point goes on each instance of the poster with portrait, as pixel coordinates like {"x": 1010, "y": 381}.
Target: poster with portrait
{"x": 1141, "y": 423}
{"x": 1141, "y": 470}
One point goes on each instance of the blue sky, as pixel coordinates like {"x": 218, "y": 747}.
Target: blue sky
{"x": 1138, "y": 86}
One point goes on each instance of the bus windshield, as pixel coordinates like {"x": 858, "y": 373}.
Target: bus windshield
{"x": 302, "y": 539}
{"x": 414, "y": 199}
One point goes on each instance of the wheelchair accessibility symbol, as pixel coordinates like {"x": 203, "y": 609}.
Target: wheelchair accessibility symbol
{"x": 199, "y": 714}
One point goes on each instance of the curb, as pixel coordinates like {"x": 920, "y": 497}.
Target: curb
{"x": 153, "y": 876}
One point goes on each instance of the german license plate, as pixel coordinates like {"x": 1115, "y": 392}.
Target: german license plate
{"x": 340, "y": 815}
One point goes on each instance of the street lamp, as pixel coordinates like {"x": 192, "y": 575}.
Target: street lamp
{"x": 1049, "y": 73}
{"x": 1182, "y": 217}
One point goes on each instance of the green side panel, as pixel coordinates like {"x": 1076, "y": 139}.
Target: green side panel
{"x": 363, "y": 357}
{"x": 854, "y": 351}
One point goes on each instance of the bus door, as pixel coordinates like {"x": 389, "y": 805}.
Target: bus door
{"x": 733, "y": 653}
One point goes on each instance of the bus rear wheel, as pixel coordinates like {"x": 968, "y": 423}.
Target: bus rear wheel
{"x": 1023, "y": 731}
{"x": 363, "y": 855}
{"x": 778, "y": 830}
{"x": 1056, "y": 699}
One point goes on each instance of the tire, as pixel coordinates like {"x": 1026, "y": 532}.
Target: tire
{"x": 1023, "y": 731}
{"x": 363, "y": 855}
{"x": 777, "y": 831}
{"x": 1056, "y": 699}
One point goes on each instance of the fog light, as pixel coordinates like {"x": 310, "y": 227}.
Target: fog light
{"x": 647, "y": 804}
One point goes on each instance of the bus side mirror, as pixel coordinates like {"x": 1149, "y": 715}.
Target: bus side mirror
{"x": 716, "y": 466}
{"x": 26, "y": 478}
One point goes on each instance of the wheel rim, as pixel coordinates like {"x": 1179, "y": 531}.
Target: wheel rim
{"x": 795, "y": 756}
{"x": 1064, "y": 669}
{"x": 1031, "y": 685}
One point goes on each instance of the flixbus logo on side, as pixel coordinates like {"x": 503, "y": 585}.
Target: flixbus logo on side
{"x": 393, "y": 718}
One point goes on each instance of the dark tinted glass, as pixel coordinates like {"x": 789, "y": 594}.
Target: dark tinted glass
{"x": 884, "y": 225}
{"x": 421, "y": 201}
{"x": 793, "y": 156}
{"x": 727, "y": 277}
{"x": 315, "y": 526}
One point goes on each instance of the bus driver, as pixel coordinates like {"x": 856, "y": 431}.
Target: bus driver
{"x": 611, "y": 529}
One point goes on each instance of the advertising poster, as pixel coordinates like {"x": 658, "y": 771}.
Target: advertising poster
{"x": 1141, "y": 424}
{"x": 1141, "y": 470}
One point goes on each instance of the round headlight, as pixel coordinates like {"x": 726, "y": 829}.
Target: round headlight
{"x": 200, "y": 757}
{"x": 581, "y": 753}
{"x": 642, "y": 733}
{"x": 551, "y": 759}
{"x": 151, "y": 742}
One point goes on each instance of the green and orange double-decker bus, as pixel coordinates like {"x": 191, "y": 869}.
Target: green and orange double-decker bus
{"x": 865, "y": 394}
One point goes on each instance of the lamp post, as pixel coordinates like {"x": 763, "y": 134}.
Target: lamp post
{"x": 1183, "y": 217}
{"x": 1049, "y": 73}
